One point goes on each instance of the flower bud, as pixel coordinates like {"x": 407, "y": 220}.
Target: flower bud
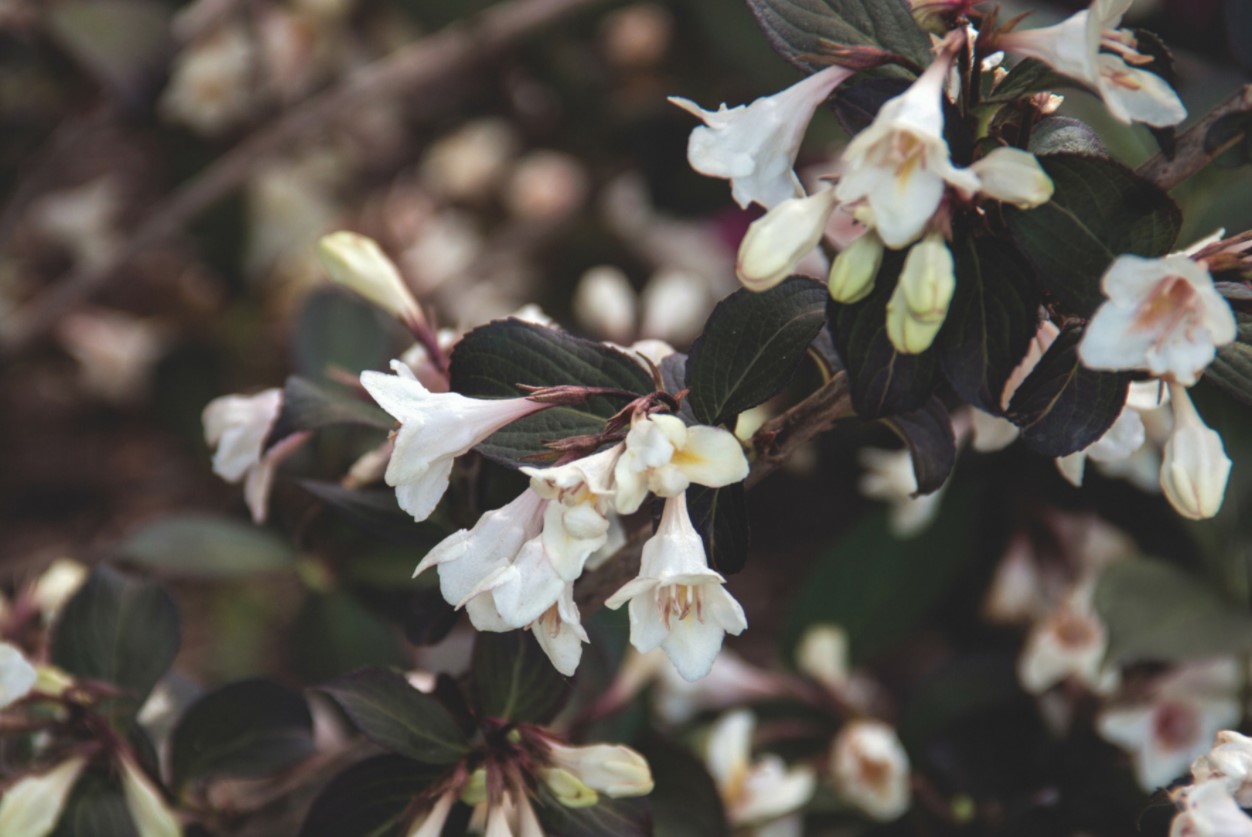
{"x": 823, "y": 655}
{"x": 359, "y": 264}
{"x": 475, "y": 790}
{"x": 1195, "y": 467}
{"x": 605, "y": 303}
{"x": 781, "y": 237}
{"x": 917, "y": 308}
{"x": 1013, "y": 176}
{"x": 147, "y": 807}
{"x": 33, "y": 805}
{"x": 612, "y": 769}
{"x": 568, "y": 789}
{"x": 852, "y": 274}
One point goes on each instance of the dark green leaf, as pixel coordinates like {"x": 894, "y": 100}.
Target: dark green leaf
{"x": 721, "y": 517}
{"x": 877, "y": 587}
{"x": 334, "y": 633}
{"x": 801, "y": 29}
{"x": 514, "y": 680}
{"x": 751, "y": 346}
{"x": 397, "y": 717}
{"x": 884, "y": 382}
{"x": 308, "y": 405}
{"x": 96, "y": 808}
{"x": 857, "y": 103}
{"x": 369, "y": 799}
{"x": 375, "y": 512}
{"x": 491, "y": 361}
{"x": 992, "y": 319}
{"x": 337, "y": 330}
{"x": 1232, "y": 368}
{"x": 1156, "y": 611}
{"x": 607, "y": 818}
{"x": 117, "y": 629}
{"x": 1063, "y": 406}
{"x": 1026, "y": 78}
{"x": 928, "y": 433}
{"x": 246, "y": 729}
{"x": 685, "y": 802}
{"x": 1099, "y": 210}
{"x": 673, "y": 369}
{"x": 206, "y": 546}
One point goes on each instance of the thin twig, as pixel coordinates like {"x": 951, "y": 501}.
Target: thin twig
{"x": 420, "y": 67}
{"x": 1190, "y": 155}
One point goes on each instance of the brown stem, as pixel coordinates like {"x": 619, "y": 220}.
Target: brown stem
{"x": 1190, "y": 155}
{"x": 421, "y": 67}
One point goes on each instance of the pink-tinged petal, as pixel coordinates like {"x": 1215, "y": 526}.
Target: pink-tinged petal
{"x": 1112, "y": 341}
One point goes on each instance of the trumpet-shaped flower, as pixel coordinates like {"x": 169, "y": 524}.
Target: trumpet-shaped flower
{"x": 677, "y": 602}
{"x": 1195, "y": 466}
{"x": 435, "y": 428}
{"x": 430, "y": 822}
{"x": 152, "y": 817}
{"x": 755, "y": 146}
{"x": 576, "y": 520}
{"x": 237, "y": 427}
{"x": 780, "y": 238}
{"x": 755, "y": 793}
{"x": 870, "y": 769}
{"x": 1162, "y": 315}
{"x": 901, "y": 164}
{"x": 32, "y": 806}
{"x": 664, "y": 456}
{"x": 1013, "y": 176}
{"x": 1075, "y": 47}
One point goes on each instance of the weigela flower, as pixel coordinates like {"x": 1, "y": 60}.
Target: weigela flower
{"x": 663, "y": 455}
{"x": 1230, "y": 761}
{"x": 611, "y": 769}
{"x": 152, "y": 817}
{"x": 576, "y": 519}
{"x": 919, "y": 305}
{"x": 1207, "y": 810}
{"x": 777, "y": 240}
{"x": 435, "y": 428}
{"x": 852, "y": 273}
{"x": 1162, "y": 315}
{"x": 1174, "y": 726}
{"x": 17, "y": 675}
{"x": 430, "y": 822}
{"x": 901, "y": 164}
{"x": 677, "y": 602}
{"x": 1013, "y": 176}
{"x": 870, "y": 769}
{"x": 359, "y": 264}
{"x": 237, "y": 427}
{"x": 1195, "y": 468}
{"x": 1074, "y": 47}
{"x": 889, "y": 476}
{"x": 1125, "y": 436}
{"x": 754, "y": 793}
{"x": 32, "y": 806}
{"x": 560, "y": 633}
{"x": 1070, "y": 643}
{"x": 755, "y": 146}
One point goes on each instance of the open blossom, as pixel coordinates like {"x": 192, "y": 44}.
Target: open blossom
{"x": 870, "y": 769}
{"x": 677, "y": 602}
{"x": 759, "y": 793}
{"x": 1195, "y": 467}
{"x": 663, "y": 455}
{"x": 755, "y": 146}
{"x": 576, "y": 520}
{"x": 1230, "y": 761}
{"x": 1070, "y": 643}
{"x": 1162, "y": 315}
{"x": 901, "y": 164}
{"x": 237, "y": 426}
{"x": 435, "y": 428}
{"x": 1076, "y": 47}
{"x": 1176, "y": 724}
{"x": 1207, "y": 810}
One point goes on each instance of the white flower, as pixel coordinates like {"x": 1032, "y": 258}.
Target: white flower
{"x": 1195, "y": 466}
{"x": 430, "y": 822}
{"x": 237, "y": 426}
{"x": 777, "y": 240}
{"x": 435, "y": 428}
{"x": 576, "y": 520}
{"x": 677, "y": 602}
{"x": 1013, "y": 176}
{"x": 900, "y": 164}
{"x": 755, "y": 146}
{"x": 32, "y": 807}
{"x": 518, "y": 593}
{"x": 560, "y": 633}
{"x": 611, "y": 769}
{"x": 1069, "y": 643}
{"x": 152, "y": 817}
{"x": 1125, "y": 436}
{"x": 1230, "y": 760}
{"x": 852, "y": 274}
{"x": 1207, "y": 810}
{"x": 1175, "y": 725}
{"x": 1162, "y": 315}
{"x": 359, "y": 264}
{"x": 212, "y": 84}
{"x": 17, "y": 675}
{"x": 823, "y": 655}
{"x": 754, "y": 793}
{"x": 1073, "y": 47}
{"x": 919, "y": 305}
{"x": 889, "y": 476}
{"x": 676, "y": 700}
{"x": 56, "y": 585}
{"x": 870, "y": 769}
{"x": 605, "y": 303}
{"x": 663, "y": 455}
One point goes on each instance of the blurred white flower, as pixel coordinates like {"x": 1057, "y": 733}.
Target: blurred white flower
{"x": 663, "y": 455}
{"x": 56, "y": 585}
{"x": 677, "y": 602}
{"x": 676, "y": 700}
{"x": 675, "y": 302}
{"x": 1069, "y": 643}
{"x": 237, "y": 427}
{"x": 605, "y": 303}
{"x": 1162, "y": 315}
{"x": 1195, "y": 467}
{"x": 756, "y": 794}
{"x": 1013, "y": 176}
{"x": 611, "y": 769}
{"x": 212, "y": 85}
{"x": 546, "y": 186}
{"x": 870, "y": 769}
{"x": 430, "y": 822}
{"x": 81, "y": 220}
{"x": 889, "y": 476}
{"x": 115, "y": 352}
{"x": 32, "y": 806}
{"x": 638, "y": 35}
{"x": 467, "y": 164}
{"x": 755, "y": 146}
{"x": 1175, "y": 725}
{"x": 1125, "y": 436}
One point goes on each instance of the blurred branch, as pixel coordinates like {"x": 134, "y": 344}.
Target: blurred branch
{"x": 1191, "y": 155}
{"x": 419, "y": 67}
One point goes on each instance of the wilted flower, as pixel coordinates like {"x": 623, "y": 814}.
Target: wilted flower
{"x": 870, "y": 769}
{"x": 1195, "y": 467}
{"x": 435, "y": 428}
{"x": 777, "y": 240}
{"x": 756, "y": 793}
{"x": 1162, "y": 315}
{"x": 755, "y": 146}
{"x": 1074, "y": 47}
{"x": 32, "y": 807}
{"x": 677, "y": 602}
